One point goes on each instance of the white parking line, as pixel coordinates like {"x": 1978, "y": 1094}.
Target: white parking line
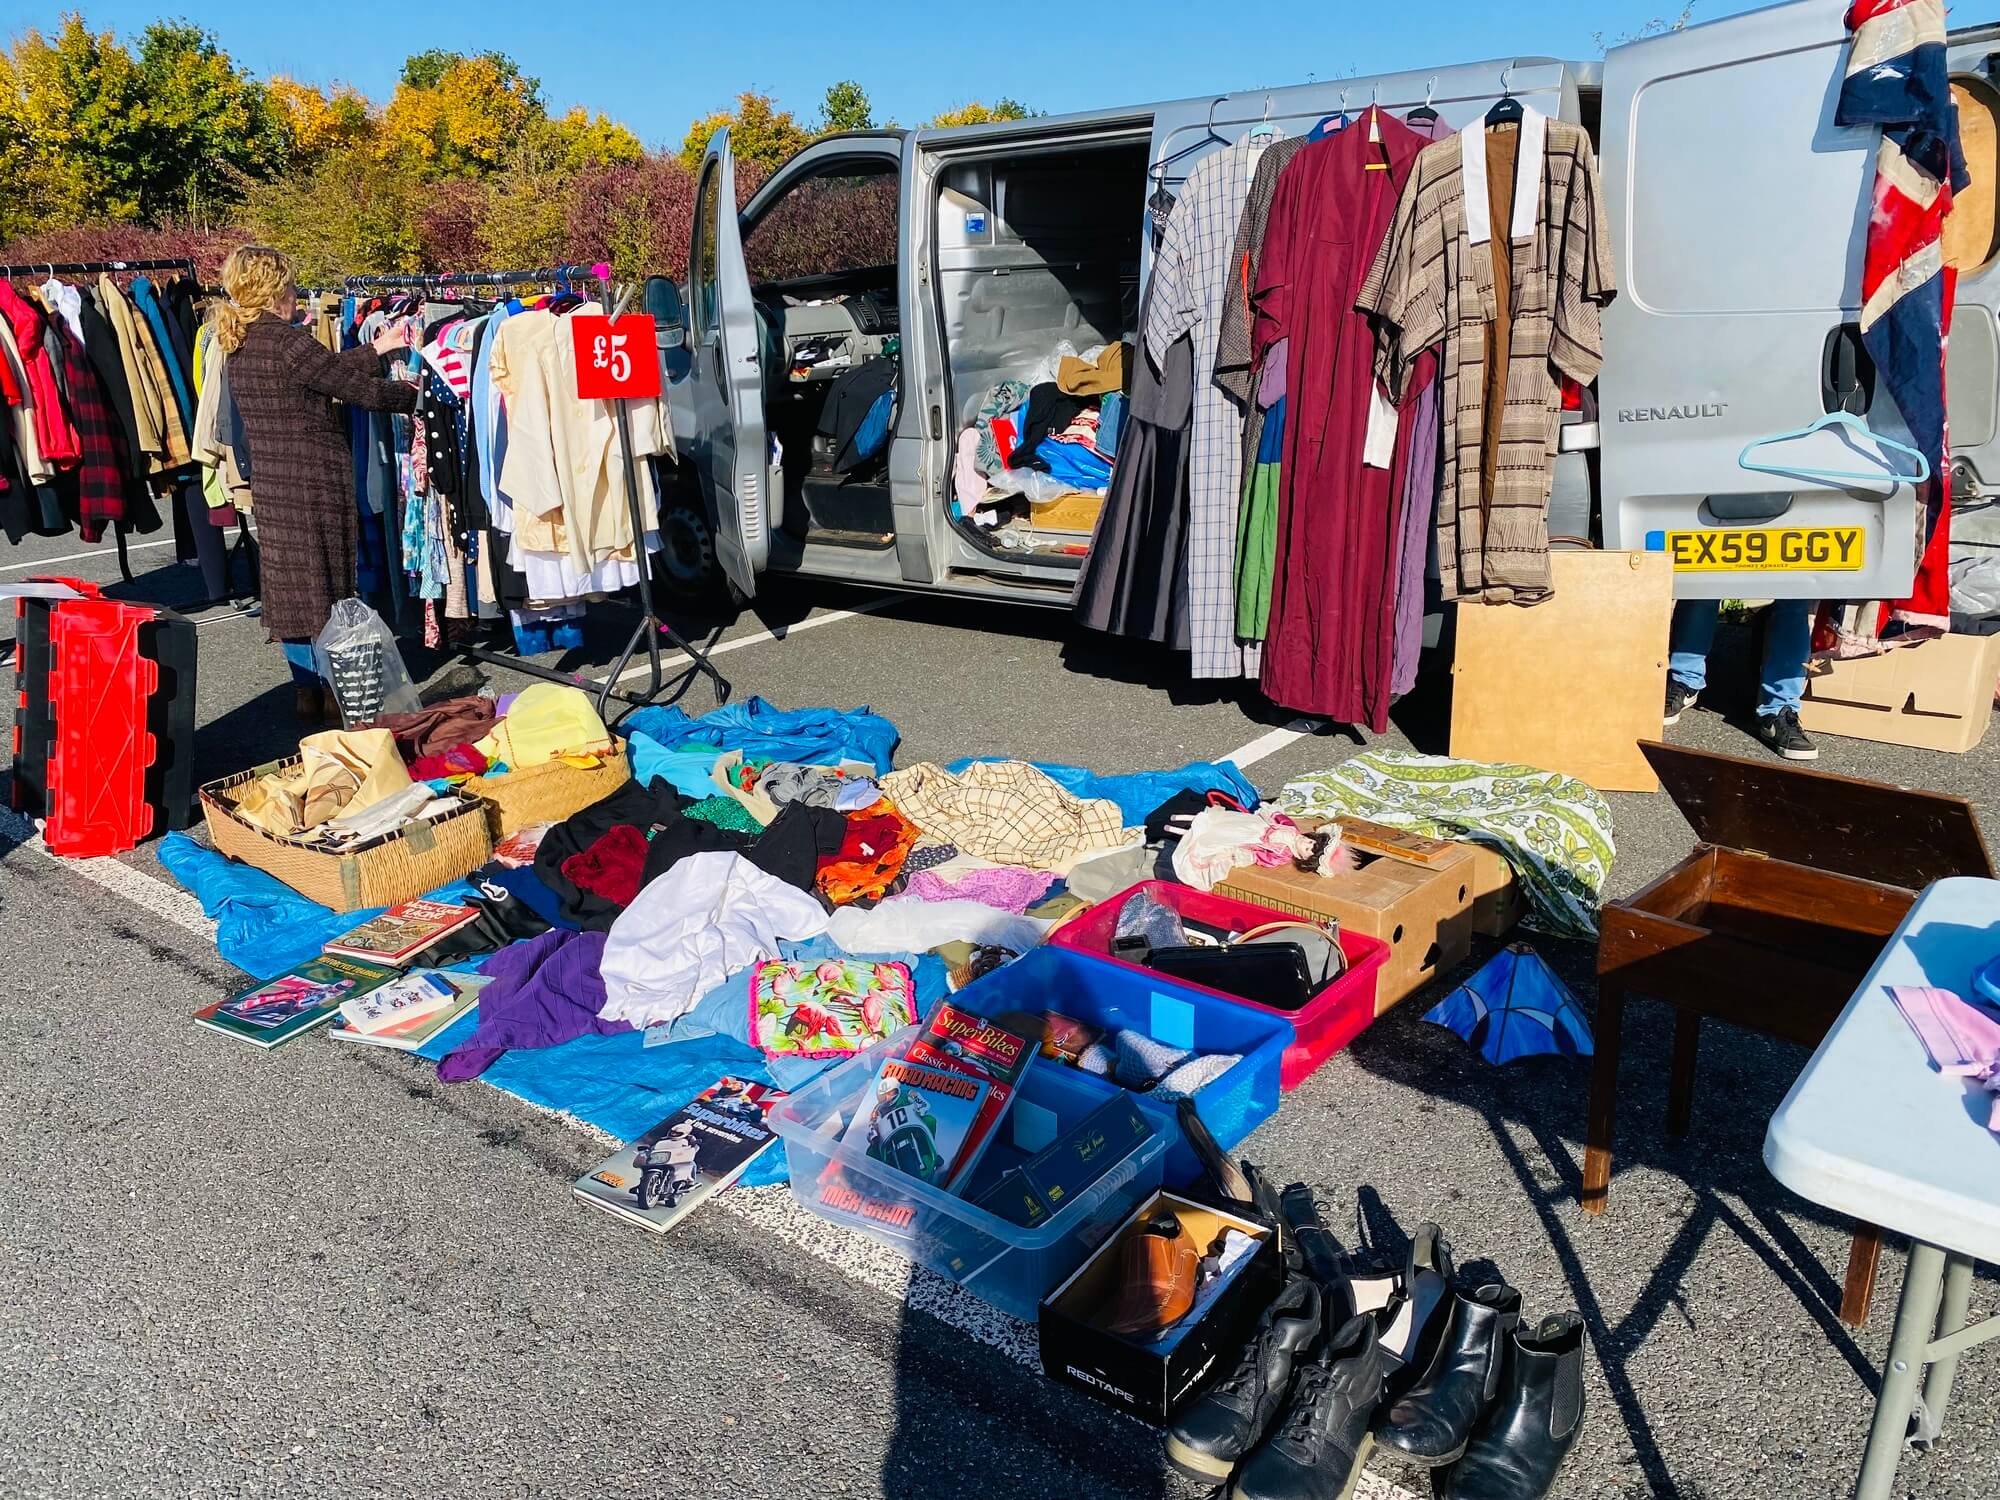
{"x": 782, "y": 633}
{"x": 109, "y": 554}
{"x": 1267, "y": 745}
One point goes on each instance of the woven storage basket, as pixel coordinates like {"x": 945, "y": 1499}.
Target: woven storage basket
{"x": 419, "y": 857}
{"x": 547, "y": 793}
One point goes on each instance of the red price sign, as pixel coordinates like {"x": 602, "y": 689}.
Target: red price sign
{"x": 616, "y": 358}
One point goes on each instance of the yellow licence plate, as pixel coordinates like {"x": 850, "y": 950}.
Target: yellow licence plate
{"x": 1791, "y": 549}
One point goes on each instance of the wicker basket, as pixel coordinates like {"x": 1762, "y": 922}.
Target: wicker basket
{"x": 547, "y": 793}
{"x": 418, "y": 857}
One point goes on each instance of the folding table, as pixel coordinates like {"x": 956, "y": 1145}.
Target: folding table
{"x": 1872, "y": 1130}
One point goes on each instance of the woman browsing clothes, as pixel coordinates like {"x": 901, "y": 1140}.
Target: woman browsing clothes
{"x": 285, "y": 384}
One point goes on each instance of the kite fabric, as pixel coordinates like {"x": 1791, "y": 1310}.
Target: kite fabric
{"x": 1515, "y": 1007}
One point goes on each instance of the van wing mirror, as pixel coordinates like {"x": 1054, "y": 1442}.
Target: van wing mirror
{"x": 670, "y": 325}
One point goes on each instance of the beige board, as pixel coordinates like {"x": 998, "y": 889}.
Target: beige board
{"x": 1934, "y": 696}
{"x": 1574, "y": 683}
{"x": 1972, "y": 229}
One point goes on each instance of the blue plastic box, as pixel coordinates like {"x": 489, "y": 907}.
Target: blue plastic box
{"x": 1000, "y": 1263}
{"x": 1114, "y": 997}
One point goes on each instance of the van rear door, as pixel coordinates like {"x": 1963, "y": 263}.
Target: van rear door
{"x": 731, "y": 453}
{"x": 1740, "y": 214}
{"x": 1972, "y": 244}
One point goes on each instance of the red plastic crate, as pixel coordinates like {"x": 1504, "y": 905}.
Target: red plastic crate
{"x": 1329, "y": 1021}
{"x": 99, "y": 686}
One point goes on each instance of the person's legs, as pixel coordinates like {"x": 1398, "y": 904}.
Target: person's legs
{"x": 1690, "y": 640}
{"x": 1781, "y": 683}
{"x": 299, "y": 657}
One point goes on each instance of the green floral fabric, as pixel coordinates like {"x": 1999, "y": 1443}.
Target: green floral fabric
{"x": 1553, "y": 829}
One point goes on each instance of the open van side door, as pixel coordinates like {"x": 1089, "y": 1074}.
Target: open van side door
{"x": 1739, "y": 212}
{"x": 732, "y": 451}
{"x": 1972, "y": 244}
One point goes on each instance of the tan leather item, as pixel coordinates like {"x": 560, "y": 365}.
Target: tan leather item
{"x": 1157, "y": 1276}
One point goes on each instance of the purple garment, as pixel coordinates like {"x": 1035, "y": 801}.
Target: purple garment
{"x": 1963, "y": 1039}
{"x": 1006, "y": 888}
{"x": 1413, "y": 545}
{"x": 1271, "y": 381}
{"x": 545, "y": 991}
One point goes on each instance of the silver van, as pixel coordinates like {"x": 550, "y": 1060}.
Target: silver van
{"x": 1738, "y": 210}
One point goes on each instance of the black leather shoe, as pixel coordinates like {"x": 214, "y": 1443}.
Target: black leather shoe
{"x": 1318, "y": 1446}
{"x": 1521, "y": 1442}
{"x": 1432, "y": 1423}
{"x": 1212, "y": 1436}
{"x": 1413, "y": 1323}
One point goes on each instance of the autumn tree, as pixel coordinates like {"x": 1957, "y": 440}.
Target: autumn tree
{"x": 69, "y": 106}
{"x": 312, "y": 121}
{"x": 760, "y": 133}
{"x": 458, "y": 116}
{"x": 975, "y": 113}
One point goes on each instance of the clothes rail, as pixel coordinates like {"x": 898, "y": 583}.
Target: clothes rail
{"x": 651, "y": 628}
{"x": 97, "y": 267}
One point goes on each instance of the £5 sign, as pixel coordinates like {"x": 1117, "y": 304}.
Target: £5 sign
{"x": 616, "y": 358}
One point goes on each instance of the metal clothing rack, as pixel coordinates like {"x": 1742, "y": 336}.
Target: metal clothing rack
{"x": 95, "y": 267}
{"x": 651, "y": 627}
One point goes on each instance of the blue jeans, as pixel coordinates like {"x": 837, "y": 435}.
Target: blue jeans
{"x": 1787, "y": 642}
{"x": 299, "y": 657}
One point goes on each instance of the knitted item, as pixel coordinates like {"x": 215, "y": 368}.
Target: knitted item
{"x": 1143, "y": 1062}
{"x": 1195, "y": 1074}
{"x": 1097, "y": 1058}
{"x": 725, "y": 812}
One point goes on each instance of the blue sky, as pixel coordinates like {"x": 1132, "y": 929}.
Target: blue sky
{"x": 915, "y": 57}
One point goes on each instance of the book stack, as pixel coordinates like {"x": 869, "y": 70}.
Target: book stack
{"x": 409, "y": 1010}
{"x": 300, "y": 1000}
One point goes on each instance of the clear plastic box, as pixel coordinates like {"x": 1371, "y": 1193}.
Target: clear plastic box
{"x": 998, "y": 1262}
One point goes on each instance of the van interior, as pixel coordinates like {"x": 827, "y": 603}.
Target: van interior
{"x": 1034, "y": 249}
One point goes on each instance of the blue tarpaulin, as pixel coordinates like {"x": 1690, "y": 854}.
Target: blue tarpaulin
{"x": 1138, "y": 793}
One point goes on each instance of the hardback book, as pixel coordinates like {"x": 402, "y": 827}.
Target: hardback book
{"x": 402, "y": 932}
{"x": 686, "y": 1159}
{"x": 409, "y": 1032}
{"x": 415, "y": 993}
{"x": 307, "y": 996}
{"x": 918, "y": 1119}
{"x": 962, "y": 1042}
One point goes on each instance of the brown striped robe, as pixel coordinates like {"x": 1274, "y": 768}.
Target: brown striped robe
{"x": 1432, "y": 283}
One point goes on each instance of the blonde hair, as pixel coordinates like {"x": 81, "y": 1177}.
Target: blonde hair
{"x": 255, "y": 279}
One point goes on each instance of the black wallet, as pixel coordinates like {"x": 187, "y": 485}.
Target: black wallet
{"x": 1273, "y": 974}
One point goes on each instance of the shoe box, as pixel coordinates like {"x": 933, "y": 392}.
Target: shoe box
{"x": 1425, "y": 898}
{"x": 1936, "y": 695}
{"x": 1153, "y": 1379}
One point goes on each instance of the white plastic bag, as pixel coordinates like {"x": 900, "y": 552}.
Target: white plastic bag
{"x": 356, "y": 653}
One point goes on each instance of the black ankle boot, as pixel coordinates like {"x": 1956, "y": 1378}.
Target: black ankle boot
{"x": 1521, "y": 1442}
{"x": 1319, "y": 1443}
{"x": 1431, "y": 1424}
{"x": 1212, "y": 1436}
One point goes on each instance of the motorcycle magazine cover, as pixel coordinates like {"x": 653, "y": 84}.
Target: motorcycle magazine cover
{"x": 667, "y": 1173}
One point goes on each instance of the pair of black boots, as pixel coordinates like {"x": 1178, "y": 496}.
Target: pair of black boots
{"x": 1441, "y": 1378}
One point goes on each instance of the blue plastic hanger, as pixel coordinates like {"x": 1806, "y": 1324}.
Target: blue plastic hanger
{"x": 1838, "y": 476}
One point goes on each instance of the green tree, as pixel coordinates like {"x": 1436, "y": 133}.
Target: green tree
{"x": 760, "y": 133}
{"x": 205, "y": 126}
{"x": 975, "y": 113}
{"x": 846, "y": 107}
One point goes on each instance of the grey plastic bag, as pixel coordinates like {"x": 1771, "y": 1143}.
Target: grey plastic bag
{"x": 356, "y": 653}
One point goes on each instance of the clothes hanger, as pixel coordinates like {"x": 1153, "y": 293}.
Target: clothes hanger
{"x": 1158, "y": 169}
{"x": 1375, "y": 130}
{"x": 1265, "y": 128}
{"x": 1334, "y": 123}
{"x": 1853, "y": 424}
{"x": 1423, "y": 114}
{"x": 1506, "y": 109}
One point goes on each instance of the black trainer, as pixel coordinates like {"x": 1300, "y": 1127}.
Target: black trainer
{"x": 1679, "y": 700}
{"x": 1319, "y": 1444}
{"x": 1212, "y": 1436}
{"x": 1780, "y": 732}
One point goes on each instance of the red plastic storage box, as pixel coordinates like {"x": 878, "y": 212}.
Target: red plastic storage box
{"x": 1329, "y": 1021}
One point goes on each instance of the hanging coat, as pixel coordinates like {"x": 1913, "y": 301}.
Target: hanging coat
{"x": 285, "y": 384}
{"x": 1331, "y": 629}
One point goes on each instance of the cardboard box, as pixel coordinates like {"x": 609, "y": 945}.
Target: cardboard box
{"x": 1155, "y": 1381}
{"x": 1934, "y": 696}
{"x": 1424, "y": 913}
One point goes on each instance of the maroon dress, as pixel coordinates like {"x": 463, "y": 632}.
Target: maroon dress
{"x": 1332, "y": 631}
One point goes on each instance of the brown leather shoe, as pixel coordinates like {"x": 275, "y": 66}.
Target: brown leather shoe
{"x": 1157, "y": 1273}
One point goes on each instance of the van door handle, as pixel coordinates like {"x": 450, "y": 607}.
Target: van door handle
{"x": 1846, "y": 372}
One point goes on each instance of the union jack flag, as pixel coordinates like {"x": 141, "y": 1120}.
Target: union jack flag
{"x": 1898, "y": 79}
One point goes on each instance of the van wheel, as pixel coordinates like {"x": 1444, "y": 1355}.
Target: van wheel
{"x": 686, "y": 561}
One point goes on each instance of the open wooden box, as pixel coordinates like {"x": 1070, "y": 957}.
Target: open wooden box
{"x": 1796, "y": 884}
